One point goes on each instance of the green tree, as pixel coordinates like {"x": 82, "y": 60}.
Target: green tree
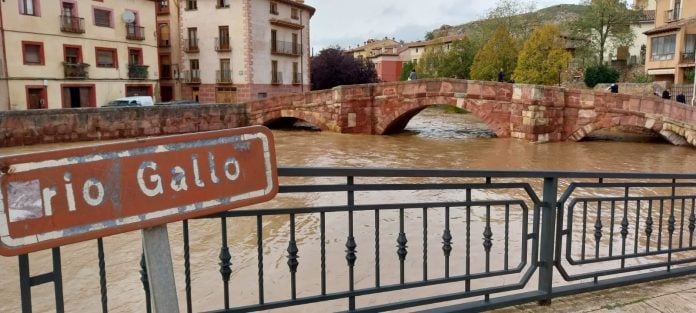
{"x": 500, "y": 52}
{"x": 605, "y": 23}
{"x": 543, "y": 57}
{"x": 429, "y": 63}
{"x": 600, "y": 74}
{"x": 457, "y": 61}
{"x": 406, "y": 70}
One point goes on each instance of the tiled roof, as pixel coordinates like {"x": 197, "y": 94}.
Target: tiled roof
{"x": 672, "y": 26}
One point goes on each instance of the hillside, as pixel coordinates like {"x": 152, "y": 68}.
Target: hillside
{"x": 556, "y": 14}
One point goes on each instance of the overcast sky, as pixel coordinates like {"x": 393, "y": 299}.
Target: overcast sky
{"x": 350, "y": 22}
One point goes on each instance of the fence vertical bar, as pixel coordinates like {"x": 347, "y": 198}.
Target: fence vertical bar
{"x": 58, "y": 280}
{"x": 351, "y": 245}
{"x": 102, "y": 275}
{"x": 549, "y": 206}
{"x": 25, "y": 283}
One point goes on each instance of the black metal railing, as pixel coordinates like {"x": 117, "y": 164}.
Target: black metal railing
{"x": 164, "y": 43}
{"x": 192, "y": 76}
{"x": 135, "y": 32}
{"x": 224, "y": 76}
{"x": 646, "y": 16}
{"x": 75, "y": 70}
{"x": 191, "y": 46}
{"x": 286, "y": 48}
{"x": 276, "y": 78}
{"x": 487, "y": 239}
{"x": 296, "y": 78}
{"x": 223, "y": 44}
{"x": 671, "y": 16}
{"x": 137, "y": 71}
{"x": 688, "y": 57}
{"x": 72, "y": 24}
{"x": 166, "y": 71}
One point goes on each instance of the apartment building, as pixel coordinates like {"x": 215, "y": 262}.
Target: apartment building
{"x": 71, "y": 54}
{"x": 672, "y": 43}
{"x": 240, "y": 50}
{"x": 169, "y": 49}
{"x": 384, "y": 54}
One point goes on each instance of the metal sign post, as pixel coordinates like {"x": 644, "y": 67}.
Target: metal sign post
{"x": 158, "y": 260}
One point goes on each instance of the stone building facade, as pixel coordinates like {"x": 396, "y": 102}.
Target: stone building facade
{"x": 240, "y": 50}
{"x": 71, "y": 54}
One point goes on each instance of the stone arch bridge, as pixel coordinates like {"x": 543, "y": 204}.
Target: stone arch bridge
{"x": 537, "y": 113}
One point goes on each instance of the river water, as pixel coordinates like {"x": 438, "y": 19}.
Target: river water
{"x": 434, "y": 139}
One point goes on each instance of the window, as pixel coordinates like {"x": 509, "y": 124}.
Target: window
{"x": 223, "y": 4}
{"x": 106, "y": 57}
{"x": 294, "y": 14}
{"x": 296, "y": 79}
{"x": 103, "y": 18}
{"x": 274, "y": 40}
{"x": 72, "y": 54}
{"x": 276, "y": 77}
{"x": 663, "y": 47}
{"x": 29, "y": 7}
{"x": 191, "y": 5}
{"x": 33, "y": 53}
{"x": 224, "y": 41}
{"x": 274, "y": 8}
{"x": 164, "y": 35}
{"x": 135, "y": 56}
{"x": 162, "y": 6}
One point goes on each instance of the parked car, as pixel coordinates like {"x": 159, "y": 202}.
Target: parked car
{"x": 139, "y": 101}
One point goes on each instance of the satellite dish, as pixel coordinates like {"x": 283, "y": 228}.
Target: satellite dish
{"x": 128, "y": 17}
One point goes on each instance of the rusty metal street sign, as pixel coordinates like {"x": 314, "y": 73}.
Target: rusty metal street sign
{"x": 61, "y": 197}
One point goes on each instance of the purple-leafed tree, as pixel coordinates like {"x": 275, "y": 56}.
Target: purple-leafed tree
{"x": 335, "y": 66}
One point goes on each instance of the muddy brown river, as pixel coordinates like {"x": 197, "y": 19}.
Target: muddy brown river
{"x": 434, "y": 139}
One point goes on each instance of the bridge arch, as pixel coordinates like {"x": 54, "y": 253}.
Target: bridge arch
{"x": 635, "y": 123}
{"x": 394, "y": 118}
{"x": 289, "y": 117}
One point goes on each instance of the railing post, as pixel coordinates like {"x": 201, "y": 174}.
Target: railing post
{"x": 548, "y": 218}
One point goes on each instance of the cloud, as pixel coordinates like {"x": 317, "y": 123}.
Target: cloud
{"x": 348, "y": 23}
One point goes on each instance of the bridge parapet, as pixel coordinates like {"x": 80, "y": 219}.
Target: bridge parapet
{"x": 537, "y": 113}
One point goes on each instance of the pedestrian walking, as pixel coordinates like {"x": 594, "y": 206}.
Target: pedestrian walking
{"x": 501, "y": 76}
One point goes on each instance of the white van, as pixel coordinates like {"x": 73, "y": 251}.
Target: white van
{"x": 139, "y": 101}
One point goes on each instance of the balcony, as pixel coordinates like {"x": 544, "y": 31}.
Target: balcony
{"x": 166, "y": 72}
{"x": 286, "y": 48}
{"x": 646, "y": 16}
{"x": 276, "y": 78}
{"x": 75, "y": 70}
{"x": 296, "y": 78}
{"x": 223, "y": 44}
{"x": 71, "y": 24}
{"x": 224, "y": 77}
{"x": 135, "y": 32}
{"x": 192, "y": 76}
{"x": 671, "y": 16}
{"x": 688, "y": 57}
{"x": 137, "y": 71}
{"x": 191, "y": 46}
{"x": 164, "y": 43}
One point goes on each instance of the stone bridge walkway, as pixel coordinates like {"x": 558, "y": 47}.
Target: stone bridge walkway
{"x": 665, "y": 296}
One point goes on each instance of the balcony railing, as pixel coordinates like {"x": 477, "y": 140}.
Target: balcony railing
{"x": 191, "y": 46}
{"x": 75, "y": 70}
{"x": 276, "y": 78}
{"x": 164, "y": 43}
{"x": 222, "y": 44}
{"x": 166, "y": 71}
{"x": 72, "y": 24}
{"x": 224, "y": 77}
{"x": 671, "y": 16}
{"x": 296, "y": 78}
{"x": 286, "y": 48}
{"x": 646, "y": 16}
{"x": 688, "y": 57}
{"x": 192, "y": 76}
{"x": 137, "y": 71}
{"x": 135, "y": 32}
